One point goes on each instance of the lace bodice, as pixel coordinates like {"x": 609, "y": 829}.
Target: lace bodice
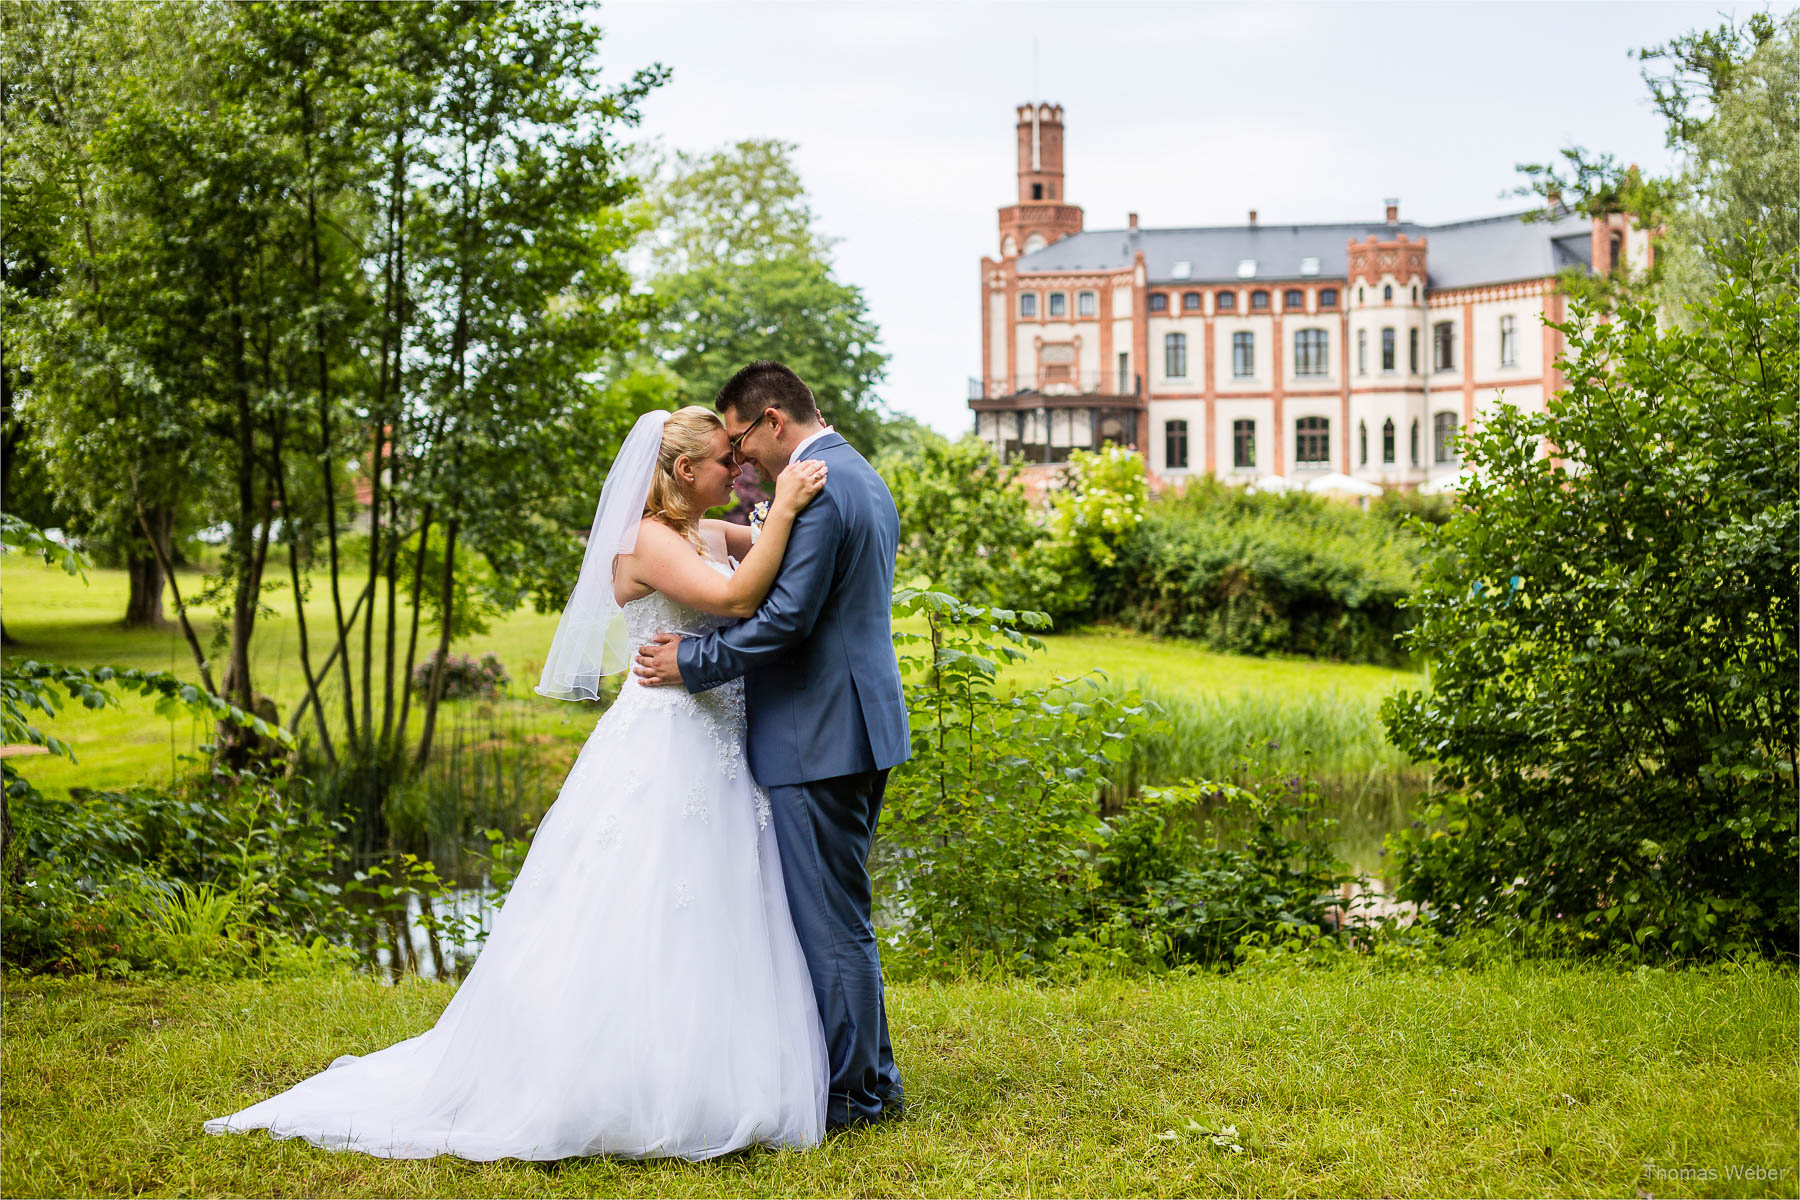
{"x": 720, "y": 708}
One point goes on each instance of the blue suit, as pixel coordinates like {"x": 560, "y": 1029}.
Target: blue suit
{"x": 827, "y": 720}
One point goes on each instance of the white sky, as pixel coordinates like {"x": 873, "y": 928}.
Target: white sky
{"x": 1187, "y": 113}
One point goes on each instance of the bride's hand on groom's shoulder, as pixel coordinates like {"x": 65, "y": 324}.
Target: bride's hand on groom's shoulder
{"x": 656, "y": 664}
{"x": 798, "y": 483}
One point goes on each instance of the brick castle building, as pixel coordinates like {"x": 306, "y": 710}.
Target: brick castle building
{"x": 1254, "y": 350}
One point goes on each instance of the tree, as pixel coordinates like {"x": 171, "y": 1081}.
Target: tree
{"x": 1613, "y": 695}
{"x": 1730, "y": 101}
{"x": 740, "y": 272}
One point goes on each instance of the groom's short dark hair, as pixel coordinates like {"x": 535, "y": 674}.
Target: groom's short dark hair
{"x": 767, "y": 384}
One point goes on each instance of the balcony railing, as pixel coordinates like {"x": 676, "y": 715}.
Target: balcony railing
{"x": 1057, "y": 381}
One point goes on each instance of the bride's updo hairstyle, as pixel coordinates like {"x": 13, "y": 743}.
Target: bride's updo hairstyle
{"x": 689, "y": 432}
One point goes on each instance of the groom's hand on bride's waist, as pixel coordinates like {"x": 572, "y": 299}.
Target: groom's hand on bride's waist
{"x": 656, "y": 664}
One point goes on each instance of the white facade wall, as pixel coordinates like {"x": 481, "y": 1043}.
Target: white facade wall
{"x": 1291, "y": 325}
{"x": 1194, "y": 329}
{"x": 1262, "y": 332}
{"x": 1528, "y": 337}
{"x": 1194, "y": 413}
{"x": 1229, "y": 411}
{"x": 1293, "y": 409}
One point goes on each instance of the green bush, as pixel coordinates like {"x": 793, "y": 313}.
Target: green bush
{"x": 1614, "y": 688}
{"x": 1253, "y": 574}
{"x": 1199, "y": 872}
{"x": 984, "y": 831}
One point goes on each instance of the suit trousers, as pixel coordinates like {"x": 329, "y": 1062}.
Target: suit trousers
{"x": 824, "y": 828}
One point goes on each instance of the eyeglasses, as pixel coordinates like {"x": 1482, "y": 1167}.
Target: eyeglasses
{"x": 737, "y": 442}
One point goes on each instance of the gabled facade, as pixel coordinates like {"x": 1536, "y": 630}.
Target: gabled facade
{"x": 1254, "y": 350}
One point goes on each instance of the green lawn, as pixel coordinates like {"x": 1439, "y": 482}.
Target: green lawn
{"x": 57, "y": 618}
{"x": 1514, "y": 1080}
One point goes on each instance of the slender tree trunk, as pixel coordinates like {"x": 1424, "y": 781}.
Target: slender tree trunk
{"x": 187, "y": 627}
{"x": 293, "y": 546}
{"x": 431, "y": 936}
{"x": 447, "y": 606}
{"x": 397, "y": 191}
{"x": 243, "y": 606}
{"x": 336, "y": 649}
{"x": 412, "y": 636}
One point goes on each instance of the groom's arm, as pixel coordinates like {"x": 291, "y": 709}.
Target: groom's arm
{"x": 786, "y": 615}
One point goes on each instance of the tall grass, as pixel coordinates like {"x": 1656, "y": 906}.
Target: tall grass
{"x": 1336, "y": 737}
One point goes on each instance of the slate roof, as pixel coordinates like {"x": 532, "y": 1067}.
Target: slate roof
{"x": 1462, "y": 254}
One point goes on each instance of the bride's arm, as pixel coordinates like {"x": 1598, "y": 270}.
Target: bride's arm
{"x": 737, "y": 537}
{"x": 666, "y": 561}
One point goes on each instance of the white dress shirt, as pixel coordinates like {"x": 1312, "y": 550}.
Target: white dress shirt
{"x": 800, "y": 450}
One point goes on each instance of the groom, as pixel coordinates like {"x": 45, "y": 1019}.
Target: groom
{"x": 827, "y": 717}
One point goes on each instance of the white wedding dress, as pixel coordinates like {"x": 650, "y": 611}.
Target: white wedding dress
{"x": 642, "y": 992}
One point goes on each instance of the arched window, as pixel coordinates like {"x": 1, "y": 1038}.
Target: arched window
{"x": 1387, "y": 349}
{"x": 1327, "y": 297}
{"x": 1009, "y": 246}
{"x": 1227, "y": 302}
{"x": 1034, "y": 243}
{"x": 1310, "y": 352}
{"x": 1059, "y": 304}
{"x": 1293, "y": 300}
{"x": 1259, "y": 299}
{"x": 1415, "y": 293}
{"x": 1387, "y": 440}
{"x": 1443, "y": 437}
{"x": 1415, "y": 442}
{"x": 1362, "y": 443}
{"x": 1190, "y": 302}
{"x": 1387, "y": 291}
{"x": 1159, "y": 302}
{"x": 1175, "y": 445}
{"x": 1243, "y": 355}
{"x": 1362, "y": 352}
{"x": 1028, "y": 304}
{"x": 1312, "y": 441}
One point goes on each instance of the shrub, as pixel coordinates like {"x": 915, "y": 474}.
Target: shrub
{"x": 1613, "y": 696}
{"x": 985, "y": 829}
{"x": 464, "y": 676}
{"x": 1250, "y": 574}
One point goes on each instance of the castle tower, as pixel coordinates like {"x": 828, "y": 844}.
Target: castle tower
{"x": 1389, "y": 353}
{"x": 1040, "y": 216}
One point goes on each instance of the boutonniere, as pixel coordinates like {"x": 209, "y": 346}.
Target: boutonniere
{"x": 758, "y": 515}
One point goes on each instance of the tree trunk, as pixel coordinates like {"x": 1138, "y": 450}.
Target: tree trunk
{"x": 144, "y": 605}
{"x": 447, "y": 608}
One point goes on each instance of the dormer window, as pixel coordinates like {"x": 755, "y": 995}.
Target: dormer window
{"x": 1181, "y": 270}
{"x": 1309, "y": 266}
{"x": 1246, "y": 268}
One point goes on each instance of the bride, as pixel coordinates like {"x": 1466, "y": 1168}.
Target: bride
{"x": 642, "y": 992}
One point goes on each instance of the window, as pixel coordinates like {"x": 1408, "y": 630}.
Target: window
{"x": 1443, "y": 437}
{"x": 1035, "y": 242}
{"x": 1387, "y": 291}
{"x": 1037, "y": 191}
{"x": 1293, "y": 298}
{"x": 1246, "y": 268}
{"x": 1387, "y": 440}
{"x": 1125, "y": 388}
{"x": 1443, "y": 349}
{"x": 1175, "y": 356}
{"x": 1412, "y": 351}
{"x": 1415, "y": 293}
{"x": 1259, "y": 299}
{"x": 1509, "y": 343}
{"x": 1159, "y": 302}
{"x": 1309, "y": 266}
{"x": 1175, "y": 448}
{"x": 1362, "y": 352}
{"x": 1327, "y": 297}
{"x": 1359, "y": 294}
{"x": 1615, "y": 250}
{"x": 1243, "y": 354}
{"x": 1227, "y": 301}
{"x": 1059, "y": 304}
{"x": 1309, "y": 352}
{"x": 1415, "y": 442}
{"x": 1190, "y": 301}
{"x": 1028, "y": 304}
{"x": 1086, "y": 303}
{"x": 1387, "y": 349}
{"x": 1243, "y": 443}
{"x": 1312, "y": 441}
{"x": 1362, "y": 443}
{"x": 1181, "y": 270}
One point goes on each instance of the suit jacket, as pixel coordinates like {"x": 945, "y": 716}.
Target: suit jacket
{"x": 820, "y": 680}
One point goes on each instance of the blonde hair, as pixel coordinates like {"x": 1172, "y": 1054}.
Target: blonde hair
{"x": 689, "y": 432}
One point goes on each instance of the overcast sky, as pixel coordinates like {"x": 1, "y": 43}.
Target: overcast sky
{"x": 1186, "y": 113}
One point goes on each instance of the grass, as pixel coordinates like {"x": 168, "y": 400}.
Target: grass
{"x": 58, "y": 619}
{"x": 1515, "y": 1080}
